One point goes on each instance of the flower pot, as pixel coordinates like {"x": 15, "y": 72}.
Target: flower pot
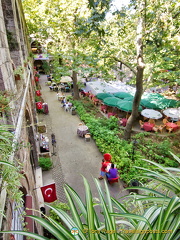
{"x": 17, "y": 77}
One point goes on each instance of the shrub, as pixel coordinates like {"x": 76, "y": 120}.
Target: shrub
{"x": 45, "y": 163}
{"x": 58, "y": 205}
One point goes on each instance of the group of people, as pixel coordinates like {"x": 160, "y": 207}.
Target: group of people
{"x": 107, "y": 168}
{"x": 66, "y": 104}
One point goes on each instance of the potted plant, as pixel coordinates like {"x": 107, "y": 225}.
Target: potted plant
{"x": 25, "y": 63}
{"x": 45, "y": 163}
{"x": 73, "y": 110}
{"x": 18, "y": 72}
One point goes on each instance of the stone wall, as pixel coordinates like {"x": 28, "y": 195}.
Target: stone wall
{"x": 14, "y": 50}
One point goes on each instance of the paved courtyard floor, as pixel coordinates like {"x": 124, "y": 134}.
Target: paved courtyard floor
{"x": 74, "y": 157}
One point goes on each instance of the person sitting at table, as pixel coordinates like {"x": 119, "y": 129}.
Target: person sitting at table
{"x": 113, "y": 172}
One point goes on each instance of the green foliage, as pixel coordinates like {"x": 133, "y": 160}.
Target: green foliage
{"x": 10, "y": 172}
{"x": 125, "y": 154}
{"x": 46, "y": 67}
{"x": 45, "y": 163}
{"x": 154, "y": 214}
{"x": 58, "y": 205}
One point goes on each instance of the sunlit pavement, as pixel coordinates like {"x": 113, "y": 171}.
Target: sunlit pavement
{"x": 74, "y": 157}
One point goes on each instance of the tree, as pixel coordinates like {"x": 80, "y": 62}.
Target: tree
{"x": 155, "y": 216}
{"x": 74, "y": 40}
{"x": 88, "y": 39}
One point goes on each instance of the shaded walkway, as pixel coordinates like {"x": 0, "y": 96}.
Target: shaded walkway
{"x": 74, "y": 157}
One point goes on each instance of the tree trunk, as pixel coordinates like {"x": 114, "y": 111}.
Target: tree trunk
{"x": 75, "y": 86}
{"x": 140, "y": 70}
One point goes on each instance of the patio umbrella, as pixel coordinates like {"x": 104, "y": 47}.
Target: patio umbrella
{"x": 151, "y": 113}
{"x": 102, "y": 96}
{"x": 152, "y": 96}
{"x": 122, "y": 94}
{"x": 173, "y": 113}
{"x": 149, "y": 104}
{"x": 65, "y": 79}
{"x": 126, "y": 106}
{"x": 131, "y": 98}
{"x": 168, "y": 103}
{"x": 111, "y": 101}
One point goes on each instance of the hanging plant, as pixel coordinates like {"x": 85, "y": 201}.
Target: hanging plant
{"x": 18, "y": 73}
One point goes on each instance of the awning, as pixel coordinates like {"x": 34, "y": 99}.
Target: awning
{"x": 41, "y": 57}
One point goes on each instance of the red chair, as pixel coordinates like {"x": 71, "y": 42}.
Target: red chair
{"x": 112, "y": 180}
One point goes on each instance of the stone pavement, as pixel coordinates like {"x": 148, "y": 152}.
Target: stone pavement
{"x": 74, "y": 157}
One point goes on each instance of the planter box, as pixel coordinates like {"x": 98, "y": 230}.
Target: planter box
{"x": 45, "y": 154}
{"x": 17, "y": 77}
{"x": 41, "y": 129}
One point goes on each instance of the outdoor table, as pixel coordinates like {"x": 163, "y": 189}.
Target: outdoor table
{"x": 148, "y": 127}
{"x": 91, "y": 96}
{"x": 172, "y": 125}
{"x": 95, "y": 101}
{"x": 110, "y": 114}
{"x": 82, "y": 130}
{"x": 103, "y": 108}
{"x": 124, "y": 121}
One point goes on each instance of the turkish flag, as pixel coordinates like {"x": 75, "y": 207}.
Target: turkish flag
{"x": 36, "y": 79}
{"x": 38, "y": 93}
{"x": 49, "y": 192}
{"x": 39, "y": 105}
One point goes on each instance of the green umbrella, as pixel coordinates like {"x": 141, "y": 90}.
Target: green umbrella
{"x": 149, "y": 103}
{"x": 152, "y": 96}
{"x": 126, "y": 106}
{"x": 122, "y": 94}
{"x": 131, "y": 98}
{"x": 102, "y": 96}
{"x": 170, "y": 103}
{"x": 111, "y": 101}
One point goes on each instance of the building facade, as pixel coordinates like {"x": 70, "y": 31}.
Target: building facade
{"x": 17, "y": 84}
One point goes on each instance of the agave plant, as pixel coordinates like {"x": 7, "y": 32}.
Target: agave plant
{"x": 159, "y": 220}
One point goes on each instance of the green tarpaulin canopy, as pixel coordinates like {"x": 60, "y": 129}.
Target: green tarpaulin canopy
{"x": 122, "y": 94}
{"x": 102, "y": 96}
{"x": 126, "y": 106}
{"x": 111, "y": 101}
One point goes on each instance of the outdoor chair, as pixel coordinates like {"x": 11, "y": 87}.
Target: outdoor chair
{"x": 151, "y": 121}
{"x": 165, "y": 121}
{"x": 141, "y": 124}
{"x": 155, "y": 128}
{"x": 112, "y": 180}
{"x": 169, "y": 129}
{"x": 160, "y": 128}
{"x": 178, "y": 123}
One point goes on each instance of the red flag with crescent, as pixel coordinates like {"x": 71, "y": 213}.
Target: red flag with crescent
{"x": 39, "y": 105}
{"x": 38, "y": 93}
{"x": 49, "y": 192}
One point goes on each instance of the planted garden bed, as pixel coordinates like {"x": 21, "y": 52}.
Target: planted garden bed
{"x": 41, "y": 129}
{"x": 125, "y": 155}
